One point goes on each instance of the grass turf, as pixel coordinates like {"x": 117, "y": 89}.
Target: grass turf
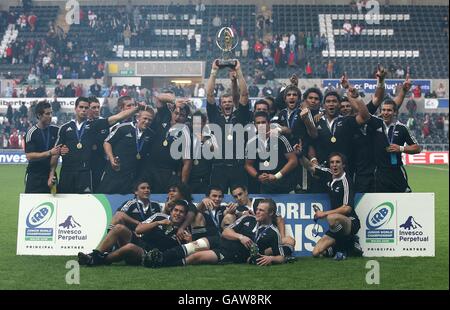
{"x": 40, "y": 272}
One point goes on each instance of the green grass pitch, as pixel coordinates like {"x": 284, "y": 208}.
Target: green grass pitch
{"x": 40, "y": 272}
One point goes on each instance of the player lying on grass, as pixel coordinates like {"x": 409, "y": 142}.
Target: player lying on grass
{"x": 249, "y": 239}
{"x": 158, "y": 231}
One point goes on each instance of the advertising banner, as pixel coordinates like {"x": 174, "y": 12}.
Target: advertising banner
{"x": 391, "y": 224}
{"x": 67, "y": 104}
{"x": 369, "y": 85}
{"x": 434, "y": 103}
{"x": 424, "y": 158}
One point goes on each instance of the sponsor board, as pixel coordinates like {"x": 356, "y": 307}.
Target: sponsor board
{"x": 436, "y": 103}
{"x": 369, "y": 85}
{"x": 391, "y": 224}
{"x": 397, "y": 224}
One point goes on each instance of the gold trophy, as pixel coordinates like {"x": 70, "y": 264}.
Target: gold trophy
{"x": 226, "y": 41}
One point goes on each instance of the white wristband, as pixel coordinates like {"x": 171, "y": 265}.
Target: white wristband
{"x": 278, "y": 175}
{"x": 313, "y": 159}
{"x": 402, "y": 149}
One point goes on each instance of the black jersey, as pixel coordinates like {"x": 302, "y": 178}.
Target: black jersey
{"x": 383, "y": 136}
{"x": 255, "y": 150}
{"x": 98, "y": 153}
{"x": 241, "y": 116}
{"x": 340, "y": 190}
{"x": 335, "y": 136}
{"x": 138, "y": 210}
{"x": 213, "y": 219}
{"x": 40, "y": 140}
{"x": 162, "y": 237}
{"x": 363, "y": 153}
{"x": 265, "y": 236}
{"x": 201, "y": 167}
{"x": 127, "y": 145}
{"x": 164, "y": 136}
{"x": 292, "y": 120}
{"x": 80, "y": 142}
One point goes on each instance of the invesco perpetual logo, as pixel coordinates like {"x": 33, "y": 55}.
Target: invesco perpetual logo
{"x": 380, "y": 215}
{"x": 40, "y": 215}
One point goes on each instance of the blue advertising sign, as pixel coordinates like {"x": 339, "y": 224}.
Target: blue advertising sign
{"x": 369, "y": 86}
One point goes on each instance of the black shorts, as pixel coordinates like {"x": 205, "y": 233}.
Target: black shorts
{"x": 36, "y": 183}
{"x": 75, "y": 182}
{"x": 140, "y": 243}
{"x": 117, "y": 182}
{"x": 364, "y": 183}
{"x": 231, "y": 251}
{"x": 226, "y": 176}
{"x": 391, "y": 180}
{"x": 355, "y": 225}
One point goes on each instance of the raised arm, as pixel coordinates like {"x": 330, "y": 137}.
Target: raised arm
{"x": 243, "y": 89}
{"x": 212, "y": 83}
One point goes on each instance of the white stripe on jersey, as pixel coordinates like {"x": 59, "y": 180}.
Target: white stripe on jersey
{"x": 288, "y": 146}
{"x": 127, "y": 206}
{"x": 346, "y": 191}
{"x": 30, "y": 133}
{"x": 152, "y": 218}
{"x": 113, "y": 132}
{"x": 409, "y": 133}
{"x": 239, "y": 220}
{"x": 59, "y": 131}
{"x": 280, "y": 247}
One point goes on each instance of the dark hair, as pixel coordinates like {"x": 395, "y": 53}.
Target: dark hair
{"x": 342, "y": 156}
{"x": 390, "y": 101}
{"x": 313, "y": 90}
{"x": 121, "y": 101}
{"x": 93, "y": 99}
{"x": 262, "y": 114}
{"x": 272, "y": 207}
{"x": 40, "y": 107}
{"x": 138, "y": 183}
{"x": 262, "y": 101}
{"x": 184, "y": 190}
{"x": 180, "y": 202}
{"x": 238, "y": 186}
{"x": 292, "y": 88}
{"x": 79, "y": 99}
{"x": 332, "y": 93}
{"x": 214, "y": 188}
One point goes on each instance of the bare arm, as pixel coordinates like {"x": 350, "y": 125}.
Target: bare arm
{"x": 186, "y": 170}
{"x": 377, "y": 98}
{"x": 401, "y": 94}
{"x": 234, "y": 88}
{"x": 291, "y": 164}
{"x": 163, "y": 99}
{"x": 250, "y": 169}
{"x": 243, "y": 89}
{"x": 124, "y": 114}
{"x": 306, "y": 116}
{"x": 363, "y": 114}
{"x": 211, "y": 84}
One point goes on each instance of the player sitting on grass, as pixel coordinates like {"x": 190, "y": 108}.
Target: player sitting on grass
{"x": 158, "y": 231}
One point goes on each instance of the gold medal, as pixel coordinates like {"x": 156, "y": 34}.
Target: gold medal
{"x": 79, "y": 146}
{"x": 94, "y": 147}
{"x": 230, "y": 137}
{"x": 333, "y": 139}
{"x": 196, "y": 162}
{"x": 165, "y": 143}
{"x": 138, "y": 156}
{"x": 266, "y": 164}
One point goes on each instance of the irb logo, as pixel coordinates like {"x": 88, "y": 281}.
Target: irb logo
{"x": 373, "y": 12}
{"x": 73, "y": 12}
